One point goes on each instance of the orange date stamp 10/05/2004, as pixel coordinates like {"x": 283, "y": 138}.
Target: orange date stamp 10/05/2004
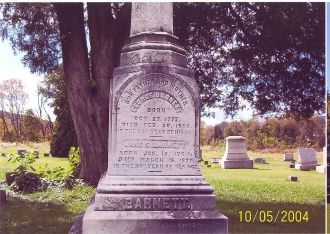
{"x": 270, "y": 216}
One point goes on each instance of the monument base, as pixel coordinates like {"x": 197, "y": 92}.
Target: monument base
{"x": 321, "y": 169}
{"x": 237, "y": 164}
{"x": 305, "y": 167}
{"x": 160, "y": 222}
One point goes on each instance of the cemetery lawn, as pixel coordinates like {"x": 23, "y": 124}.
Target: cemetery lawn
{"x": 264, "y": 188}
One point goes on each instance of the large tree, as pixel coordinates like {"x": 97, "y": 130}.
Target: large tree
{"x": 270, "y": 55}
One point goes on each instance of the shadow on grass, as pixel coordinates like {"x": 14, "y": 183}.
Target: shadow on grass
{"x": 315, "y": 223}
{"x": 24, "y": 216}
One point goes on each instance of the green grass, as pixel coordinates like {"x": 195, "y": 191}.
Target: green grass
{"x": 264, "y": 188}
{"x": 41, "y": 147}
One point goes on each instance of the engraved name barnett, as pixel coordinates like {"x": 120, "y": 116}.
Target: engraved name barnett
{"x": 157, "y": 203}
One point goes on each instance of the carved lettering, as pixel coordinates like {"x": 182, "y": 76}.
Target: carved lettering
{"x": 156, "y": 203}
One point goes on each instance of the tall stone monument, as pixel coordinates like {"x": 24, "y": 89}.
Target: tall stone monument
{"x": 153, "y": 183}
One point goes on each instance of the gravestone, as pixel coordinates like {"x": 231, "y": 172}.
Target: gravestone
{"x": 323, "y": 168}
{"x": 288, "y": 157}
{"x": 292, "y": 164}
{"x": 216, "y": 160}
{"x": 260, "y": 160}
{"x": 21, "y": 153}
{"x": 153, "y": 183}
{"x": 235, "y": 155}
{"x": 306, "y": 159}
{"x": 293, "y": 178}
{"x": 36, "y": 154}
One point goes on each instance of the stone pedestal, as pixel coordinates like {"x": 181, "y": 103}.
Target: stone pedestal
{"x": 235, "y": 155}
{"x": 306, "y": 159}
{"x": 153, "y": 183}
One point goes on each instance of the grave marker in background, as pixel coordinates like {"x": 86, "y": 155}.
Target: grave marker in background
{"x": 306, "y": 159}
{"x": 235, "y": 155}
{"x": 288, "y": 157}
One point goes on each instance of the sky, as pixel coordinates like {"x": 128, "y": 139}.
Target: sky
{"x": 12, "y": 67}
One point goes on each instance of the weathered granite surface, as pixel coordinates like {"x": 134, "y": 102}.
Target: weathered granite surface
{"x": 153, "y": 183}
{"x": 306, "y": 159}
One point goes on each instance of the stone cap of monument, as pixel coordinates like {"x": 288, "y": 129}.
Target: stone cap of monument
{"x": 235, "y": 138}
{"x": 150, "y": 17}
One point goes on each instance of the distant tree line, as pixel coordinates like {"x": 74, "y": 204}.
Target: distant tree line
{"x": 271, "y": 134}
{"x": 18, "y": 123}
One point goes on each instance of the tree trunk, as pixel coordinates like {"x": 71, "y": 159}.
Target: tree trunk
{"x": 5, "y": 127}
{"x": 88, "y": 96}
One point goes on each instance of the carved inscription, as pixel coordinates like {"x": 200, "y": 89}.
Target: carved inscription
{"x": 154, "y": 128}
{"x": 157, "y": 203}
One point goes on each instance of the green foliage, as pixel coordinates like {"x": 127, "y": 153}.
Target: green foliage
{"x": 22, "y": 179}
{"x": 28, "y": 182}
{"x": 239, "y": 52}
{"x": 31, "y": 127}
{"x": 272, "y": 134}
{"x": 74, "y": 161}
{"x": 24, "y": 163}
{"x": 66, "y": 177}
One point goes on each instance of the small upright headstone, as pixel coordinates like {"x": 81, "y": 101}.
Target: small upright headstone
{"x": 36, "y": 154}
{"x": 292, "y": 164}
{"x": 323, "y": 168}
{"x": 306, "y": 159}
{"x": 293, "y": 178}
{"x": 46, "y": 154}
{"x": 216, "y": 160}
{"x": 260, "y": 160}
{"x": 235, "y": 155}
{"x": 288, "y": 157}
{"x": 21, "y": 153}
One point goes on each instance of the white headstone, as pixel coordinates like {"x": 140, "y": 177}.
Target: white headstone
{"x": 235, "y": 154}
{"x": 306, "y": 159}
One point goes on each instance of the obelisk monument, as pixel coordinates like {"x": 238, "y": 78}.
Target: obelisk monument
{"x": 153, "y": 183}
